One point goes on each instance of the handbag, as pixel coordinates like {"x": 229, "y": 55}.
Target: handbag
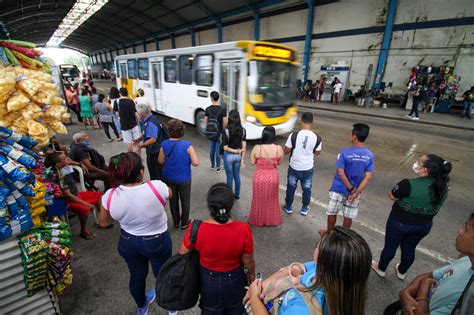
{"x": 178, "y": 282}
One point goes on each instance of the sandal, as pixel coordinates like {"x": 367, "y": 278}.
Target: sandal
{"x": 88, "y": 237}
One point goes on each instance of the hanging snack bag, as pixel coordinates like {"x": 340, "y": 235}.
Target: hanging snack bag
{"x": 18, "y": 155}
{"x": 17, "y": 101}
{"x": 16, "y": 172}
{"x": 7, "y": 85}
{"x": 21, "y": 139}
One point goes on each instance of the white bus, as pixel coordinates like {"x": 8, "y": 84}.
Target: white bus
{"x": 256, "y": 78}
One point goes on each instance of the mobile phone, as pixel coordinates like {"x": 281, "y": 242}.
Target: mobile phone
{"x": 259, "y": 276}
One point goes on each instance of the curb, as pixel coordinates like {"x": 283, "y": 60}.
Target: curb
{"x": 388, "y": 117}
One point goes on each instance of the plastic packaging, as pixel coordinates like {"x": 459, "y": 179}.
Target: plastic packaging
{"x": 16, "y": 172}
{"x": 21, "y": 139}
{"x": 18, "y": 155}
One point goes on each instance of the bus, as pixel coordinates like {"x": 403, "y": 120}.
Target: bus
{"x": 256, "y": 78}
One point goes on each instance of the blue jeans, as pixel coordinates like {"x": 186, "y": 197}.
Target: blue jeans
{"x": 116, "y": 123}
{"x": 414, "y": 109}
{"x": 138, "y": 251}
{"x": 222, "y": 292}
{"x": 306, "y": 179}
{"x": 467, "y": 108}
{"x": 407, "y": 236}
{"x": 215, "y": 153}
{"x": 232, "y": 170}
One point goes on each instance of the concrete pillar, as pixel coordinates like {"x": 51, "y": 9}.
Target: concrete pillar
{"x": 157, "y": 43}
{"x": 144, "y": 46}
{"x": 307, "y": 46}
{"x": 219, "y": 32}
{"x": 256, "y": 28}
{"x": 101, "y": 61}
{"x": 387, "y": 38}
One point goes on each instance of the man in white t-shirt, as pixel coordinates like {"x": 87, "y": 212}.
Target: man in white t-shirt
{"x": 142, "y": 99}
{"x": 337, "y": 91}
{"x": 302, "y": 146}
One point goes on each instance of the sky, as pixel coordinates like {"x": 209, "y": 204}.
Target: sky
{"x": 59, "y": 54}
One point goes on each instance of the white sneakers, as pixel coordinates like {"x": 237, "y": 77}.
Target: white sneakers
{"x": 415, "y": 118}
{"x": 400, "y": 276}
{"x": 375, "y": 267}
{"x": 380, "y": 273}
{"x": 407, "y": 116}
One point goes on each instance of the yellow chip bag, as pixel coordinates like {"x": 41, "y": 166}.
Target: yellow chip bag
{"x": 36, "y": 129}
{"x": 17, "y": 101}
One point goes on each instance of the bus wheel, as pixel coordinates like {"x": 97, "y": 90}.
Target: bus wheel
{"x": 199, "y": 122}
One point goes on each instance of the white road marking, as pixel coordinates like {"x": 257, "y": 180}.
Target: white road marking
{"x": 421, "y": 249}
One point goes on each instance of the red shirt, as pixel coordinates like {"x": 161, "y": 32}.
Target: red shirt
{"x": 221, "y": 246}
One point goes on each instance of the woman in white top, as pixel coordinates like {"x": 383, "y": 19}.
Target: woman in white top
{"x": 140, "y": 209}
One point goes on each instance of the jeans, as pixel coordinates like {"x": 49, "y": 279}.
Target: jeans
{"x": 181, "y": 192}
{"x": 414, "y": 109}
{"x": 117, "y": 123}
{"x": 222, "y": 292}
{"x": 232, "y": 171}
{"x": 154, "y": 169}
{"x": 467, "y": 109}
{"x": 138, "y": 252}
{"x": 306, "y": 179}
{"x": 215, "y": 153}
{"x": 407, "y": 236}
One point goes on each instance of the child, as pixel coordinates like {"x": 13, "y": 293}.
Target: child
{"x": 355, "y": 166}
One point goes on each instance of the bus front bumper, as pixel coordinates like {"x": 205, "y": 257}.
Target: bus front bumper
{"x": 255, "y": 131}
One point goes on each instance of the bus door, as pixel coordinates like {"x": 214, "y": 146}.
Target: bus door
{"x": 123, "y": 74}
{"x": 156, "y": 77}
{"x": 230, "y": 83}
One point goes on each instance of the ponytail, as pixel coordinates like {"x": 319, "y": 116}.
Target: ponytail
{"x": 438, "y": 169}
{"x": 220, "y": 200}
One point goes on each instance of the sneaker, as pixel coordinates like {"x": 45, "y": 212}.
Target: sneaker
{"x": 219, "y": 169}
{"x": 287, "y": 209}
{"x": 375, "y": 267}
{"x": 236, "y": 198}
{"x": 212, "y": 168}
{"x": 150, "y": 297}
{"x": 407, "y": 116}
{"x": 184, "y": 227}
{"x": 304, "y": 210}
{"x": 400, "y": 276}
{"x": 415, "y": 118}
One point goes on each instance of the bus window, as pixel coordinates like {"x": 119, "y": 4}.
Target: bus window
{"x": 170, "y": 69}
{"x": 204, "y": 74}
{"x": 132, "y": 68}
{"x": 143, "y": 69}
{"x": 186, "y": 69}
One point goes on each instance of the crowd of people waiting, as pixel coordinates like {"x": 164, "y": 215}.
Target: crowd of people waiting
{"x": 335, "y": 282}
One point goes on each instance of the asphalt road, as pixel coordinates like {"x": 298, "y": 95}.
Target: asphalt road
{"x": 101, "y": 276}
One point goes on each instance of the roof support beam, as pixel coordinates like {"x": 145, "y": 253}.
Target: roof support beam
{"x": 134, "y": 50}
{"x": 157, "y": 43}
{"x": 256, "y": 26}
{"x": 387, "y": 38}
{"x": 173, "y": 42}
{"x": 307, "y": 46}
{"x": 219, "y": 32}
{"x": 193, "y": 37}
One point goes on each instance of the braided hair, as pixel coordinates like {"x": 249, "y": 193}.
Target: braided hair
{"x": 439, "y": 169}
{"x": 220, "y": 200}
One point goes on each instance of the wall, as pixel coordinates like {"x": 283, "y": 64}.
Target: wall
{"x": 351, "y": 31}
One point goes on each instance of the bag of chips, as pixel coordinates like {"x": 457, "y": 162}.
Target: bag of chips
{"x": 17, "y": 101}
{"x": 23, "y": 149}
{"x": 16, "y": 172}
{"x": 7, "y": 85}
{"x": 18, "y": 155}
{"x": 19, "y": 138}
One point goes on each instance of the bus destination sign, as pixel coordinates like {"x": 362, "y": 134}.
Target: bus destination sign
{"x": 272, "y": 52}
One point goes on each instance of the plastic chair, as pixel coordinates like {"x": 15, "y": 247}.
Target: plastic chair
{"x": 82, "y": 187}
{"x": 432, "y": 105}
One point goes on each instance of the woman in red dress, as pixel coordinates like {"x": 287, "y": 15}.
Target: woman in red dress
{"x": 267, "y": 156}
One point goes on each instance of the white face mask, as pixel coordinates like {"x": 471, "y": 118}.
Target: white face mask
{"x": 66, "y": 170}
{"x": 415, "y": 167}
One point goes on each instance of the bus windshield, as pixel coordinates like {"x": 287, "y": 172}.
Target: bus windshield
{"x": 275, "y": 83}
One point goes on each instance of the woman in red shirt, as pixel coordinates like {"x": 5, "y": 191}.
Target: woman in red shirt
{"x": 225, "y": 247}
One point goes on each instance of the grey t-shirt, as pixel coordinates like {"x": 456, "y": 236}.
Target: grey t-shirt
{"x": 105, "y": 115}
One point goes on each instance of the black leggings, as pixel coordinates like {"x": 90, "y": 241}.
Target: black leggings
{"x": 106, "y": 126}
{"x": 181, "y": 192}
{"x": 74, "y": 108}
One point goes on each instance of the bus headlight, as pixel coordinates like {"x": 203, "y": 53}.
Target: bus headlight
{"x": 251, "y": 119}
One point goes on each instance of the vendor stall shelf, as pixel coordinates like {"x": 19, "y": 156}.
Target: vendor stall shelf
{"x": 13, "y": 294}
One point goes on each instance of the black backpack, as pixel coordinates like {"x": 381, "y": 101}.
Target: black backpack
{"x": 212, "y": 129}
{"x": 294, "y": 135}
{"x": 177, "y": 284}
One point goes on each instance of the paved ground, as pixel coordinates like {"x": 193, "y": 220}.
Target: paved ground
{"x": 101, "y": 277}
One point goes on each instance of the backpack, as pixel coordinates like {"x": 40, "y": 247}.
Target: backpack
{"x": 96, "y": 158}
{"x": 212, "y": 128}
{"x": 177, "y": 284}
{"x": 294, "y": 135}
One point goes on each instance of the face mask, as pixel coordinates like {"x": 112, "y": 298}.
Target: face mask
{"x": 415, "y": 167}
{"x": 66, "y": 170}
{"x": 86, "y": 143}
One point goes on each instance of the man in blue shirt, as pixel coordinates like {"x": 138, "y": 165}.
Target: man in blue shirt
{"x": 355, "y": 166}
{"x": 150, "y": 140}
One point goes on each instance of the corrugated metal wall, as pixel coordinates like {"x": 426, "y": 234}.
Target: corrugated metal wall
{"x": 13, "y": 295}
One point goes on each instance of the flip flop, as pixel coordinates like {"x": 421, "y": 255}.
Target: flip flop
{"x": 88, "y": 237}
